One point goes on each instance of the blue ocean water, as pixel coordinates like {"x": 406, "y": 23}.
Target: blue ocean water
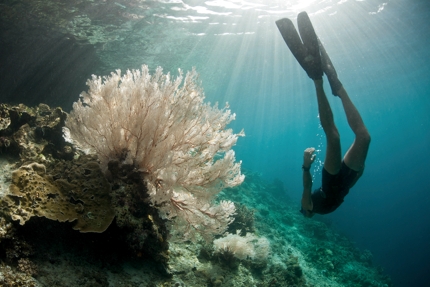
{"x": 380, "y": 50}
{"x": 383, "y": 61}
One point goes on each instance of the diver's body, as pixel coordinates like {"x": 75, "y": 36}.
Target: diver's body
{"x": 338, "y": 175}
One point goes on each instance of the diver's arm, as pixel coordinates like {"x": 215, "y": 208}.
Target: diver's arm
{"x": 308, "y": 159}
{"x": 307, "y": 191}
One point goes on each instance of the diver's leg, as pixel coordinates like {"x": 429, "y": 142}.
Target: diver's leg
{"x": 332, "y": 160}
{"x": 357, "y": 153}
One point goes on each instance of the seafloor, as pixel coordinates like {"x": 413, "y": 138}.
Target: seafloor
{"x": 45, "y": 252}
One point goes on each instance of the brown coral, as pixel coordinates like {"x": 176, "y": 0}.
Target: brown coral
{"x": 27, "y": 267}
{"x": 10, "y": 278}
{"x": 78, "y": 192}
{"x": 6, "y": 229}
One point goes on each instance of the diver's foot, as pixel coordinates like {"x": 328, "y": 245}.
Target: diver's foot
{"x": 329, "y": 70}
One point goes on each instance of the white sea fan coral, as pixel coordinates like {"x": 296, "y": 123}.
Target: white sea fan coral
{"x": 178, "y": 142}
{"x": 262, "y": 248}
{"x": 243, "y": 247}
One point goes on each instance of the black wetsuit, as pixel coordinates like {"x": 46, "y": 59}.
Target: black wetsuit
{"x": 334, "y": 188}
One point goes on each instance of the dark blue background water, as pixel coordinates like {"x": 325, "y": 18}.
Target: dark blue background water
{"x": 384, "y": 62}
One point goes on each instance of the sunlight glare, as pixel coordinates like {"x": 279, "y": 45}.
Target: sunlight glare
{"x": 301, "y": 5}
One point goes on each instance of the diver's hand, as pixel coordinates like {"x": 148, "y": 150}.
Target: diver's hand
{"x": 308, "y": 157}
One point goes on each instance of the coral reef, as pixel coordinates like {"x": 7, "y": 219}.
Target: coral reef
{"x": 27, "y": 267}
{"x": 163, "y": 128}
{"x": 290, "y": 275}
{"x": 11, "y": 278}
{"x": 33, "y": 133}
{"x": 17, "y": 248}
{"x": 303, "y": 252}
{"x": 79, "y": 193}
{"x": 243, "y": 220}
{"x": 136, "y": 248}
{"x": 16, "y": 253}
{"x": 45, "y": 181}
{"x": 145, "y": 231}
{"x": 242, "y": 247}
{"x": 6, "y": 229}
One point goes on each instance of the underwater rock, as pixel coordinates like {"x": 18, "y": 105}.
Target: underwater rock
{"x": 46, "y": 185}
{"x": 145, "y": 232}
{"x": 34, "y": 132}
{"x": 243, "y": 220}
{"x": 80, "y": 193}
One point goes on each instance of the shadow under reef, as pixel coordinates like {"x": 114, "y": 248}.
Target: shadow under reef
{"x": 56, "y": 255}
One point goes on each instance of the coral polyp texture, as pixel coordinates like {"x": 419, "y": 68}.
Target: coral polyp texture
{"x": 164, "y": 129}
{"x": 84, "y": 198}
{"x": 243, "y": 247}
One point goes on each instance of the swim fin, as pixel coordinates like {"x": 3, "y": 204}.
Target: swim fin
{"x": 306, "y": 52}
{"x": 329, "y": 70}
{"x": 310, "y": 41}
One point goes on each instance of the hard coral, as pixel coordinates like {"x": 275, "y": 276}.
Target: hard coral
{"x": 6, "y": 229}
{"x": 17, "y": 248}
{"x": 9, "y": 278}
{"x": 79, "y": 193}
{"x": 27, "y": 267}
{"x": 31, "y": 132}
